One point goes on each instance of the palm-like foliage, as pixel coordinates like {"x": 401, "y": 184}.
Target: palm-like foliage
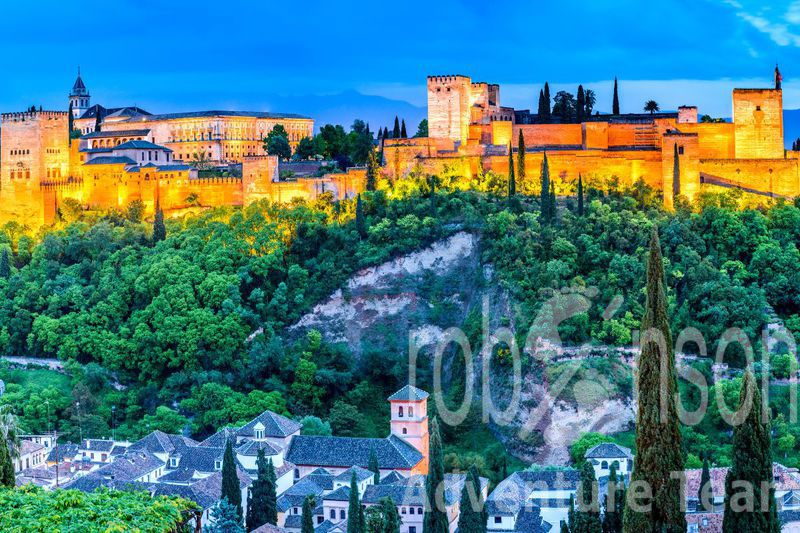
{"x": 651, "y": 106}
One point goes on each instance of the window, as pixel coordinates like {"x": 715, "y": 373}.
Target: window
{"x": 680, "y": 150}
{"x": 173, "y": 462}
{"x": 419, "y": 510}
{"x": 402, "y": 510}
{"x": 410, "y": 411}
{"x": 758, "y": 108}
{"x": 498, "y": 519}
{"x": 296, "y": 474}
{"x": 342, "y": 514}
{"x": 217, "y": 465}
{"x": 319, "y": 520}
{"x": 604, "y": 465}
{"x": 412, "y": 529}
{"x": 405, "y": 431}
{"x": 333, "y": 514}
{"x": 400, "y": 412}
{"x": 411, "y": 510}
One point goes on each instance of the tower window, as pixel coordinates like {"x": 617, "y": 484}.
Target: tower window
{"x": 405, "y": 431}
{"x": 410, "y": 411}
{"x": 400, "y": 412}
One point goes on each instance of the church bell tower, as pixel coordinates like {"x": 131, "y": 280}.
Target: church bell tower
{"x": 409, "y": 421}
{"x": 79, "y": 97}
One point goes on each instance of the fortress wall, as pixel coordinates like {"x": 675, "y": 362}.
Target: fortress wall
{"x": 449, "y": 109}
{"x": 716, "y": 139}
{"x": 688, "y": 166}
{"x": 758, "y": 120}
{"x": 781, "y": 176}
{"x": 549, "y": 134}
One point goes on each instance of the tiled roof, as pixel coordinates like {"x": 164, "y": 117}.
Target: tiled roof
{"x": 120, "y": 133}
{"x": 328, "y": 527}
{"x": 274, "y": 424}
{"x": 608, "y": 450}
{"x": 342, "y": 494}
{"x": 250, "y": 448}
{"x": 27, "y": 447}
{"x": 361, "y": 474}
{"x": 160, "y": 442}
{"x": 322, "y": 478}
{"x": 293, "y": 521}
{"x": 110, "y": 160}
{"x": 269, "y": 528}
{"x": 181, "y": 475}
{"x": 220, "y": 438}
{"x": 392, "y": 452}
{"x": 97, "y": 445}
{"x": 409, "y": 393}
{"x": 201, "y": 458}
{"x": 140, "y": 145}
{"x": 705, "y": 522}
{"x": 63, "y": 452}
{"x": 211, "y": 114}
{"x": 294, "y": 495}
{"x": 785, "y": 479}
{"x": 392, "y": 477}
{"x": 511, "y": 494}
{"x": 113, "y": 111}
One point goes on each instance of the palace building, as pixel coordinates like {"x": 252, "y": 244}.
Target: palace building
{"x": 127, "y": 154}
{"x": 470, "y": 132}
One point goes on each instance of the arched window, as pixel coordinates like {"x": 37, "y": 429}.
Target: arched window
{"x": 410, "y": 411}
{"x": 604, "y": 465}
{"x": 400, "y": 411}
{"x": 341, "y": 514}
{"x": 405, "y": 431}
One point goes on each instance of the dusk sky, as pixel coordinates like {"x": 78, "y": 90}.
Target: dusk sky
{"x": 326, "y": 58}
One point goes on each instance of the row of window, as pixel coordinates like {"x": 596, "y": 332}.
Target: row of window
{"x": 19, "y": 174}
{"x": 410, "y": 411}
{"x": 20, "y": 152}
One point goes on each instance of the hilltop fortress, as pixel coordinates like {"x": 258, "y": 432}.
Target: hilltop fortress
{"x": 470, "y": 132}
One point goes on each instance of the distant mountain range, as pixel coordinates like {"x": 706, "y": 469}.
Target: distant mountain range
{"x": 343, "y": 108}
{"x": 791, "y": 126}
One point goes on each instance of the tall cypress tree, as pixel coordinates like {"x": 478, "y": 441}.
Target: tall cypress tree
{"x": 614, "y": 503}
{"x": 354, "y": 511}
{"x": 571, "y": 513}
{"x": 587, "y": 514}
{"x": 271, "y": 499}
{"x": 361, "y": 222}
{"x": 551, "y": 204}
{"x": 752, "y": 464}
{"x": 705, "y": 493}
{"x": 261, "y": 498}
{"x": 658, "y": 435}
{"x": 473, "y": 514}
{"x": 540, "y": 113}
{"x": 580, "y": 105}
{"x": 5, "y": 264}
{"x": 307, "y": 517}
{"x": 547, "y": 109}
{"x": 544, "y": 194}
{"x": 676, "y": 173}
{"x": 615, "y": 103}
{"x": 70, "y": 119}
{"x": 373, "y": 166}
{"x": 580, "y": 196}
{"x": 7, "y": 477}
{"x": 435, "y": 520}
{"x": 373, "y": 466}
{"x": 396, "y": 131}
{"x": 403, "y": 133}
{"x": 512, "y": 181}
{"x": 230, "y": 481}
{"x": 159, "y": 228}
{"x": 521, "y": 161}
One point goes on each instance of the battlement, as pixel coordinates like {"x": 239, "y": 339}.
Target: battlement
{"x": 447, "y": 78}
{"x": 21, "y": 116}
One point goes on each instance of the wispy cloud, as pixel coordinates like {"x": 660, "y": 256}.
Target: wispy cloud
{"x": 780, "y": 23}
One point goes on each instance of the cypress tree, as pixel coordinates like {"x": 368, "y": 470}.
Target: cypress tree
{"x": 261, "y": 498}
{"x": 373, "y": 166}
{"x": 752, "y": 464}
{"x": 587, "y": 515}
{"x": 571, "y": 524}
{"x": 551, "y": 204}
{"x": 391, "y": 520}
{"x": 541, "y": 113}
{"x": 614, "y": 503}
{"x": 473, "y": 515}
{"x": 373, "y": 466}
{"x": 396, "y": 131}
{"x": 580, "y": 105}
{"x": 676, "y": 173}
{"x": 230, "y": 481}
{"x": 547, "y": 111}
{"x": 7, "y": 477}
{"x": 354, "y": 512}
{"x": 521, "y": 160}
{"x": 307, "y": 518}
{"x": 564, "y": 527}
{"x": 70, "y": 119}
{"x": 98, "y": 118}
{"x": 658, "y": 435}
{"x": 403, "y": 133}
{"x": 544, "y": 193}
{"x": 361, "y": 223}
{"x": 705, "y": 495}
{"x": 271, "y": 499}
{"x": 5, "y": 264}
{"x": 159, "y": 228}
{"x": 512, "y": 182}
{"x": 435, "y": 520}
{"x": 580, "y": 196}
{"x": 615, "y": 103}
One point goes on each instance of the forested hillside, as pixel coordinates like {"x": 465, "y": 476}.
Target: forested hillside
{"x": 191, "y": 333}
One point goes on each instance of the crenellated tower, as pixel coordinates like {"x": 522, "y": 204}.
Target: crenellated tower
{"x": 449, "y": 107}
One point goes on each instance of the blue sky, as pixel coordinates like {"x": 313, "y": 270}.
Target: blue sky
{"x": 338, "y": 60}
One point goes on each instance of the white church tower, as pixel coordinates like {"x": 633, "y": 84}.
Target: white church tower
{"x": 79, "y": 97}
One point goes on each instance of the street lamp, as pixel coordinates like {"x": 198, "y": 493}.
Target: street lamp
{"x": 113, "y": 423}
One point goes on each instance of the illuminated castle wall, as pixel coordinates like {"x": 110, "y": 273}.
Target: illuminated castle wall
{"x": 470, "y": 131}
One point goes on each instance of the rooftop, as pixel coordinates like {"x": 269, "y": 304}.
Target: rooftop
{"x": 213, "y": 114}
{"x": 409, "y": 393}
{"x": 392, "y": 452}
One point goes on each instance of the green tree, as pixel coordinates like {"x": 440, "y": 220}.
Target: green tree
{"x": 580, "y": 105}
{"x": 615, "y": 102}
{"x": 135, "y": 211}
{"x": 422, "y": 129}
{"x": 361, "y": 223}
{"x": 396, "y": 130}
{"x": 382, "y": 518}
{"x": 587, "y": 514}
{"x": 307, "y": 517}
{"x": 564, "y": 106}
{"x": 345, "y": 420}
{"x": 5, "y": 265}
{"x": 306, "y": 392}
{"x": 590, "y": 99}
{"x": 225, "y": 519}
{"x": 277, "y": 142}
{"x": 373, "y": 168}
{"x": 7, "y": 477}
{"x": 521, "y": 161}
{"x": 658, "y": 435}
{"x": 580, "y": 196}
{"x": 354, "y": 507}
{"x": 751, "y": 471}
{"x": 435, "y": 519}
{"x": 704, "y": 494}
{"x": 473, "y": 515}
{"x": 651, "y": 106}
{"x": 305, "y": 149}
{"x": 547, "y": 109}
{"x": 373, "y": 466}
{"x": 614, "y": 504}
{"x": 676, "y": 173}
{"x": 544, "y": 195}
{"x": 313, "y": 425}
{"x": 230, "y": 481}
{"x": 262, "y": 499}
{"x": 159, "y": 228}
{"x": 166, "y": 420}
{"x": 512, "y": 182}
{"x": 403, "y": 133}
{"x": 543, "y": 109}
